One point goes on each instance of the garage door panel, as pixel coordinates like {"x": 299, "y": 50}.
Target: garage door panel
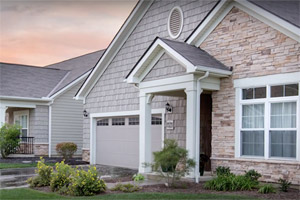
{"x": 119, "y": 145}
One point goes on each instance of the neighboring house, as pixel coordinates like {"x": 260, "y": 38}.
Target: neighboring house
{"x": 229, "y": 69}
{"x": 40, "y": 99}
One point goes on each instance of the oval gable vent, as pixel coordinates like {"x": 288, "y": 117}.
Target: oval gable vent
{"x": 175, "y": 22}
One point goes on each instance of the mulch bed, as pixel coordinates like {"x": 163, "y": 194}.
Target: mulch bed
{"x": 15, "y": 160}
{"x": 193, "y": 188}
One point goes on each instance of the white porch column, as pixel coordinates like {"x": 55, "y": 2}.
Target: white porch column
{"x": 191, "y": 110}
{"x": 145, "y": 132}
{"x": 2, "y": 114}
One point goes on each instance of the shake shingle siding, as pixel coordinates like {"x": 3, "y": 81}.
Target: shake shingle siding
{"x": 111, "y": 94}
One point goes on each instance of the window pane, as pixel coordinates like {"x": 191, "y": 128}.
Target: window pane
{"x": 253, "y": 116}
{"x": 283, "y": 115}
{"x": 248, "y": 93}
{"x": 134, "y": 121}
{"x": 102, "y": 122}
{"x": 156, "y": 121}
{"x": 291, "y": 90}
{"x": 252, "y": 143}
{"x": 283, "y": 144}
{"x": 24, "y": 121}
{"x": 118, "y": 121}
{"x": 260, "y": 93}
{"x": 277, "y": 91}
{"x": 24, "y": 133}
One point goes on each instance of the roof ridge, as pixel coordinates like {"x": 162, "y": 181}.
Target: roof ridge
{"x": 37, "y": 67}
{"x": 49, "y": 66}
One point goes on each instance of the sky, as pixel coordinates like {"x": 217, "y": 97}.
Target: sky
{"x": 43, "y": 32}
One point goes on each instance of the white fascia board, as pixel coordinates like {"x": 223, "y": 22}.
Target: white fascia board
{"x": 73, "y": 83}
{"x": 114, "y": 47}
{"x": 223, "y": 8}
{"x": 155, "y": 52}
{"x": 124, "y": 113}
{"x": 275, "y": 79}
{"x": 213, "y": 70}
{"x": 25, "y": 98}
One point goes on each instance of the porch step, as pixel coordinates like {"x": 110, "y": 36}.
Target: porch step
{"x": 8, "y": 181}
{"x": 19, "y": 171}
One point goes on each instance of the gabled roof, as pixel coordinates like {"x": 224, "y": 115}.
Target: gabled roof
{"x": 287, "y": 10}
{"x": 28, "y": 81}
{"x": 77, "y": 67}
{"x": 42, "y": 82}
{"x": 192, "y": 58}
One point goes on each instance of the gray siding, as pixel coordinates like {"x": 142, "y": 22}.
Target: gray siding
{"x": 166, "y": 67}
{"x": 67, "y": 117}
{"x": 111, "y": 94}
{"x": 39, "y": 124}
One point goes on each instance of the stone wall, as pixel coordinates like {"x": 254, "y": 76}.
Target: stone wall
{"x": 86, "y": 155}
{"x": 41, "y": 149}
{"x": 253, "y": 49}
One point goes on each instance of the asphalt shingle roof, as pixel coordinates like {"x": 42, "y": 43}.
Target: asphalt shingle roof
{"x": 28, "y": 81}
{"x": 287, "y": 10}
{"x": 37, "y": 82}
{"x": 196, "y": 56}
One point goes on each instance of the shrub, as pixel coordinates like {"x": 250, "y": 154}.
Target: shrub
{"x": 43, "y": 175}
{"x": 9, "y": 138}
{"x": 62, "y": 177}
{"x": 66, "y": 149}
{"x": 230, "y": 183}
{"x": 223, "y": 171}
{"x": 86, "y": 183}
{"x": 267, "y": 188}
{"x": 284, "y": 185}
{"x": 138, "y": 177}
{"x": 128, "y": 188}
{"x": 172, "y": 162}
{"x": 253, "y": 175}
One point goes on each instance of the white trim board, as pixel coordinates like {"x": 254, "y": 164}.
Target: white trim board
{"x": 124, "y": 113}
{"x": 125, "y": 31}
{"x": 224, "y": 7}
{"x": 275, "y": 79}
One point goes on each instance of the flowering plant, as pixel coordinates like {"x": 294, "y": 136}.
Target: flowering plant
{"x": 44, "y": 175}
{"x": 61, "y": 179}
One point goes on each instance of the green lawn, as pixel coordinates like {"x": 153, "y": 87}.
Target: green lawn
{"x": 25, "y": 193}
{"x": 20, "y": 165}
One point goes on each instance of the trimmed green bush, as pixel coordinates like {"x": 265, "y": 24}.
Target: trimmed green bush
{"x": 61, "y": 178}
{"x": 127, "y": 188}
{"x": 86, "y": 183}
{"x": 43, "y": 177}
{"x": 138, "y": 177}
{"x": 267, "y": 188}
{"x": 66, "y": 149}
{"x": 9, "y": 138}
{"x": 284, "y": 185}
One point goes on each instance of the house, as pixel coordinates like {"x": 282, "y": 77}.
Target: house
{"x": 228, "y": 73}
{"x": 40, "y": 99}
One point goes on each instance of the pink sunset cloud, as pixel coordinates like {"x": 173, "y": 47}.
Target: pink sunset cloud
{"x": 44, "y": 32}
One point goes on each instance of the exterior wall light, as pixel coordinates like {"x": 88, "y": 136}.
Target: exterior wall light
{"x": 85, "y": 113}
{"x": 169, "y": 108}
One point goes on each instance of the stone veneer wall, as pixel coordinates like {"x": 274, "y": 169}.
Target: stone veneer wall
{"x": 41, "y": 149}
{"x": 253, "y": 49}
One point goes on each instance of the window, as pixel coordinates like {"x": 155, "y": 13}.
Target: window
{"x": 22, "y": 118}
{"x": 268, "y": 121}
{"x": 118, "y": 121}
{"x": 134, "y": 121}
{"x": 156, "y": 121}
{"x": 102, "y": 122}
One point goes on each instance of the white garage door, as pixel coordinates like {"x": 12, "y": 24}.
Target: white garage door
{"x": 118, "y": 140}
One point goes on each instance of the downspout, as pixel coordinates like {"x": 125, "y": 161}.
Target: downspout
{"x": 199, "y": 91}
{"x": 50, "y": 129}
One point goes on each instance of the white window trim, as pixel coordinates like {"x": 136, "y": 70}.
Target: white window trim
{"x": 23, "y": 112}
{"x": 267, "y": 101}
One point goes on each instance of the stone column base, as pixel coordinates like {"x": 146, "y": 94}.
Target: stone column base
{"x": 41, "y": 149}
{"x": 86, "y": 155}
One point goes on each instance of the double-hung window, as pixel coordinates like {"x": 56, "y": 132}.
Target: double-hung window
{"x": 268, "y": 122}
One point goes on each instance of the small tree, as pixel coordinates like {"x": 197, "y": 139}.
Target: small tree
{"x": 172, "y": 162}
{"x": 9, "y": 138}
{"x": 66, "y": 149}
